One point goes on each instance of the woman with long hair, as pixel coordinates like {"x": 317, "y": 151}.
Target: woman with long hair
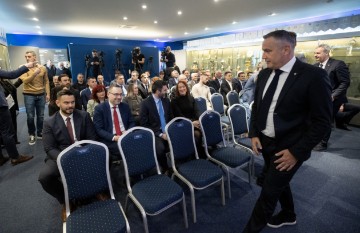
{"x": 98, "y": 95}
{"x": 133, "y": 99}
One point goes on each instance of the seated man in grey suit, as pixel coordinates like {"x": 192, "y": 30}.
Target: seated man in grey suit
{"x": 57, "y": 136}
{"x": 111, "y": 119}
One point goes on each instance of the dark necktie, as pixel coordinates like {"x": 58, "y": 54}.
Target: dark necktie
{"x": 266, "y": 101}
{"x": 116, "y": 122}
{"x": 162, "y": 116}
{"x": 70, "y": 129}
{"x": 321, "y": 65}
{"x": 146, "y": 88}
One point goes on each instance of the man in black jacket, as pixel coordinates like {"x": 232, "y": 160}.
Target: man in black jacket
{"x": 6, "y": 126}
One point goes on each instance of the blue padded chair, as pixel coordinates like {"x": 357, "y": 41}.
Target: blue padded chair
{"x": 232, "y": 98}
{"x": 213, "y": 90}
{"x": 200, "y": 105}
{"x": 217, "y": 102}
{"x": 239, "y": 128}
{"x": 153, "y": 194}
{"x": 226, "y": 157}
{"x": 84, "y": 170}
{"x": 195, "y": 173}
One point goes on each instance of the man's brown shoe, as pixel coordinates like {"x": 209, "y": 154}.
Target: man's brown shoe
{"x": 21, "y": 159}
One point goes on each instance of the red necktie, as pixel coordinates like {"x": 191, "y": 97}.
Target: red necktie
{"x": 116, "y": 122}
{"x": 70, "y": 129}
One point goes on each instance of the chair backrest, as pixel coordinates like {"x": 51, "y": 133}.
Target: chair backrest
{"x": 200, "y": 105}
{"x": 217, "y": 102}
{"x": 180, "y": 132}
{"x": 238, "y": 119}
{"x": 210, "y": 122}
{"x": 232, "y": 98}
{"x": 212, "y": 90}
{"x": 84, "y": 170}
{"x": 137, "y": 149}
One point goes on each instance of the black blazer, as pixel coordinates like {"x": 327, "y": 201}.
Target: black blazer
{"x": 224, "y": 89}
{"x": 149, "y": 116}
{"x": 215, "y": 84}
{"x": 302, "y": 112}
{"x": 56, "y": 137}
{"x": 339, "y": 78}
{"x": 143, "y": 92}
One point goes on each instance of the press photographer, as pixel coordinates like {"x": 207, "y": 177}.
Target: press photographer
{"x": 95, "y": 64}
{"x": 138, "y": 59}
{"x": 168, "y": 57}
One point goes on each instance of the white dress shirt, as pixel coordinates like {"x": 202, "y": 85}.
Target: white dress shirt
{"x": 71, "y": 121}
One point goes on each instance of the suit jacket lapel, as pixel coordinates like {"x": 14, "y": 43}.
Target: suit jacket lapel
{"x": 107, "y": 113}
{"x": 60, "y": 122}
{"x": 328, "y": 65}
{"x": 77, "y": 125}
{"x": 293, "y": 75}
{"x": 262, "y": 80}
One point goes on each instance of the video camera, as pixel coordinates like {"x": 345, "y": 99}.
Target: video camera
{"x": 118, "y": 52}
{"x": 163, "y": 54}
{"x": 87, "y": 60}
{"x": 135, "y": 53}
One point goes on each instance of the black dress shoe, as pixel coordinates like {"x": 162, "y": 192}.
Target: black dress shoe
{"x": 320, "y": 147}
{"x": 342, "y": 126}
{"x": 3, "y": 160}
{"x": 21, "y": 159}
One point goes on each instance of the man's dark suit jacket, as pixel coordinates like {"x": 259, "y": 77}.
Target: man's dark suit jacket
{"x": 143, "y": 92}
{"x": 149, "y": 115}
{"x": 103, "y": 122}
{"x": 55, "y": 134}
{"x": 237, "y": 85}
{"x": 302, "y": 112}
{"x": 215, "y": 84}
{"x": 340, "y": 80}
{"x": 85, "y": 96}
{"x": 10, "y": 75}
{"x": 224, "y": 89}
{"x": 53, "y": 96}
{"x": 172, "y": 82}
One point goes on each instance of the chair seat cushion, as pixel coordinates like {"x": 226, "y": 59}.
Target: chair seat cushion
{"x": 231, "y": 156}
{"x": 156, "y": 193}
{"x": 245, "y": 142}
{"x": 100, "y": 216}
{"x": 200, "y": 172}
{"x": 225, "y": 120}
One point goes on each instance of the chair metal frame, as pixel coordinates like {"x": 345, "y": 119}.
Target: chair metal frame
{"x": 228, "y": 97}
{"x": 224, "y": 119}
{"x": 181, "y": 176}
{"x": 64, "y": 181}
{"x": 222, "y": 164}
{"x": 128, "y": 184}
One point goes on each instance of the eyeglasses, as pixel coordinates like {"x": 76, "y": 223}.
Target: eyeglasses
{"x": 116, "y": 94}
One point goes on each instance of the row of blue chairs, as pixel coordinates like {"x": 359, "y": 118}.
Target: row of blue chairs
{"x": 84, "y": 168}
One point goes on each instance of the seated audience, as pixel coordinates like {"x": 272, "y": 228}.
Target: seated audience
{"x": 134, "y": 78}
{"x": 120, "y": 82}
{"x": 155, "y": 113}
{"x": 98, "y": 96}
{"x": 226, "y": 86}
{"x": 240, "y": 82}
{"x": 183, "y": 105}
{"x": 80, "y": 83}
{"x": 111, "y": 119}
{"x": 144, "y": 88}
{"x": 86, "y": 93}
{"x": 57, "y": 136}
{"x": 133, "y": 99}
{"x": 194, "y": 80}
{"x": 201, "y": 90}
{"x": 174, "y": 78}
{"x": 101, "y": 81}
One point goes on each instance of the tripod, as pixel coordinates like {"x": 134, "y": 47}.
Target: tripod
{"x": 118, "y": 63}
{"x": 150, "y": 65}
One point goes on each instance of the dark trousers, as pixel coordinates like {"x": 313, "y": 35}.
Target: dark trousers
{"x": 344, "y": 117}
{"x": 50, "y": 180}
{"x": 8, "y": 133}
{"x": 275, "y": 188}
{"x": 161, "y": 147}
{"x": 336, "y": 106}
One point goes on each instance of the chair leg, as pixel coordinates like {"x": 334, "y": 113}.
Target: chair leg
{"x": 185, "y": 213}
{"x": 143, "y": 215}
{"x": 126, "y": 202}
{"x": 193, "y": 206}
{"x": 222, "y": 191}
{"x": 228, "y": 180}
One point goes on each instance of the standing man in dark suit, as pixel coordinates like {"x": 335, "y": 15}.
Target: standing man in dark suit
{"x": 60, "y": 131}
{"x": 340, "y": 81}
{"x": 6, "y": 126}
{"x": 86, "y": 93}
{"x": 290, "y": 115}
{"x": 227, "y": 85}
{"x": 111, "y": 119}
{"x": 155, "y": 113}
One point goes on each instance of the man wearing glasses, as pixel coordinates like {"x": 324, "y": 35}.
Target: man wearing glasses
{"x": 111, "y": 119}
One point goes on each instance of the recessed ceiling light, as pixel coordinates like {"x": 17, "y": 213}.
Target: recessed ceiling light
{"x": 185, "y": 33}
{"x": 155, "y": 22}
{"x": 169, "y": 37}
{"x": 206, "y": 28}
{"x": 144, "y": 6}
{"x": 216, "y": 0}
{"x": 234, "y": 22}
{"x": 125, "y": 18}
{"x": 116, "y": 37}
{"x": 40, "y": 32}
{"x": 35, "y": 19}
{"x": 179, "y": 13}
{"x": 31, "y": 7}
{"x": 272, "y": 14}
{"x": 37, "y": 26}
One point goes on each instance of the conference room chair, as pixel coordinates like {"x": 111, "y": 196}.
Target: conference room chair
{"x": 216, "y": 149}
{"x": 197, "y": 174}
{"x": 200, "y": 105}
{"x": 153, "y": 194}
{"x": 232, "y": 98}
{"x": 84, "y": 170}
{"x": 217, "y": 101}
